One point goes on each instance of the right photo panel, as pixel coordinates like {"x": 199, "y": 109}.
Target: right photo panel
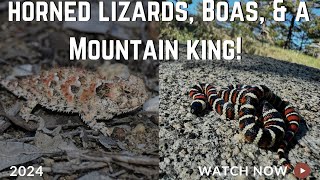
{"x": 241, "y": 100}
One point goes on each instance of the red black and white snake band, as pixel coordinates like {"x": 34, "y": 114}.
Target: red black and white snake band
{"x": 263, "y": 117}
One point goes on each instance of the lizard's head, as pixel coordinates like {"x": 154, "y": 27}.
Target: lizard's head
{"x": 127, "y": 94}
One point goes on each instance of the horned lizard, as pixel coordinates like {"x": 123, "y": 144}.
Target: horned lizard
{"x": 76, "y": 90}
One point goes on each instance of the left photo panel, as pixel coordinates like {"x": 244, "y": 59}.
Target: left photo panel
{"x": 77, "y": 102}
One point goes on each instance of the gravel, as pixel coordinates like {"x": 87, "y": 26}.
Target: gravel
{"x": 188, "y": 141}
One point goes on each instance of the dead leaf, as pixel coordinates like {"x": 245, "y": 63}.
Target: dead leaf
{"x": 53, "y": 144}
{"x": 25, "y": 70}
{"x": 4, "y": 125}
{"x": 108, "y": 142}
{"x": 14, "y": 153}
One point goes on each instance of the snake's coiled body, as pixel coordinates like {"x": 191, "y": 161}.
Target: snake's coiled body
{"x": 263, "y": 117}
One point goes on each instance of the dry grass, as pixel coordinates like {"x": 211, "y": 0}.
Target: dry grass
{"x": 288, "y": 55}
{"x": 250, "y": 46}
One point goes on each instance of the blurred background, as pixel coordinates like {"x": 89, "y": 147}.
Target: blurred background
{"x": 291, "y": 41}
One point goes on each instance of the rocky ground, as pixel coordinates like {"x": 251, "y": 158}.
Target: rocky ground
{"x": 188, "y": 141}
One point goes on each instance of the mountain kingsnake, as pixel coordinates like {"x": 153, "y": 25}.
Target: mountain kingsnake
{"x": 263, "y": 117}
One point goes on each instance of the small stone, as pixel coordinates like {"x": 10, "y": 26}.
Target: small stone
{"x": 238, "y": 138}
{"x": 307, "y": 149}
{"x": 306, "y": 154}
{"x": 48, "y": 161}
{"x": 248, "y": 160}
{"x": 232, "y": 163}
{"x": 166, "y": 160}
{"x": 119, "y": 133}
{"x": 250, "y": 154}
{"x": 152, "y": 105}
{"x": 188, "y": 127}
{"x": 25, "y": 70}
{"x": 189, "y": 115}
{"x": 229, "y": 131}
{"x": 224, "y": 163}
{"x": 139, "y": 129}
{"x": 176, "y": 126}
{"x": 236, "y": 151}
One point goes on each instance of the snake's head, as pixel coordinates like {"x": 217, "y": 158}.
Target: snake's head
{"x": 197, "y": 107}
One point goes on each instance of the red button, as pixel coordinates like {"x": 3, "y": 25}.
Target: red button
{"x": 302, "y": 170}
